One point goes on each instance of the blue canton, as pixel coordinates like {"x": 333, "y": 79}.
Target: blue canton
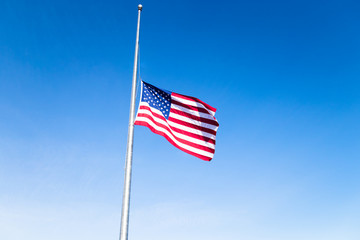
{"x": 157, "y": 98}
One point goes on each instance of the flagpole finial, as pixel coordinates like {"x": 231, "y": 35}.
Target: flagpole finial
{"x": 140, "y": 7}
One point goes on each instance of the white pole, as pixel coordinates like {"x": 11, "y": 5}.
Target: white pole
{"x": 127, "y": 182}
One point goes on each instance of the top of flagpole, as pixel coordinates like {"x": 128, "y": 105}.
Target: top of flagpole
{"x": 140, "y": 7}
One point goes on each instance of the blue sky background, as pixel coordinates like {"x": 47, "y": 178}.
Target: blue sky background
{"x": 284, "y": 76}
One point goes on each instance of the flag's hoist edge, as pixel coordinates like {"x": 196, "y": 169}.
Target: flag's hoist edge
{"x": 190, "y": 126}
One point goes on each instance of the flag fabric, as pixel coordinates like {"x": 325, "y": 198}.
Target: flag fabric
{"x": 186, "y": 122}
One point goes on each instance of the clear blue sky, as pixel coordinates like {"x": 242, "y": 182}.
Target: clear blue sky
{"x": 284, "y": 76}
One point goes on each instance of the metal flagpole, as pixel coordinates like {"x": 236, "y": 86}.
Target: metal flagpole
{"x": 127, "y": 182}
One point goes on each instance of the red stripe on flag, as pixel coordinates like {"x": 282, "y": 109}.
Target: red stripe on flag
{"x": 198, "y": 109}
{"x": 200, "y": 119}
{"x": 194, "y": 100}
{"x": 203, "y": 129}
{"x": 193, "y": 135}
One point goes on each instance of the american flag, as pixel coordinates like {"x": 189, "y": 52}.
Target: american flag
{"x": 186, "y": 122}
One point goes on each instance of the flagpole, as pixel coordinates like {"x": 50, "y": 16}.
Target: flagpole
{"x": 127, "y": 182}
